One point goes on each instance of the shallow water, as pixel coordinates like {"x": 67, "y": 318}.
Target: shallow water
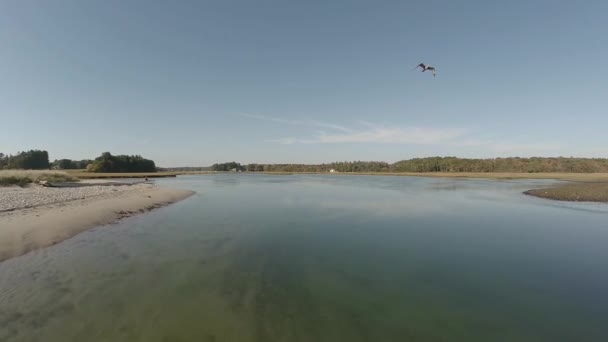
{"x": 323, "y": 258}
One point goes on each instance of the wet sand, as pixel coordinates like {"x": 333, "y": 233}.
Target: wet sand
{"x": 574, "y": 192}
{"x": 57, "y": 216}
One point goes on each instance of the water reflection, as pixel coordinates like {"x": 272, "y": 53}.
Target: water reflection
{"x": 323, "y": 258}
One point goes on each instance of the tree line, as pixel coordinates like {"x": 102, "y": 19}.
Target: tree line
{"x": 185, "y": 169}
{"x": 39, "y": 160}
{"x": 514, "y": 164}
{"x": 356, "y": 166}
{"x": 28, "y": 160}
{"x": 231, "y": 166}
{"x": 121, "y": 163}
{"x": 68, "y": 164}
{"x": 449, "y": 164}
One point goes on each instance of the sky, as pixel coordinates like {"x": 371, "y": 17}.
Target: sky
{"x": 192, "y": 83}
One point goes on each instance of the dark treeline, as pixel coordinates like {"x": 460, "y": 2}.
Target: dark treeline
{"x": 231, "y": 166}
{"x": 121, "y": 163}
{"x": 449, "y": 164}
{"x": 29, "y": 160}
{"x": 534, "y": 164}
{"x": 357, "y": 166}
{"x": 39, "y": 160}
{"x": 184, "y": 168}
{"x": 68, "y": 164}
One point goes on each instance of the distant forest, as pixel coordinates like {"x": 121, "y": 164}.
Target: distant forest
{"x": 39, "y": 160}
{"x": 28, "y": 160}
{"x": 231, "y": 166}
{"x": 185, "y": 169}
{"x": 448, "y": 164}
{"x": 121, "y": 163}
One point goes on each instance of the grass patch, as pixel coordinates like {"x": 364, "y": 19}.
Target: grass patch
{"x": 24, "y": 177}
{"x": 14, "y": 180}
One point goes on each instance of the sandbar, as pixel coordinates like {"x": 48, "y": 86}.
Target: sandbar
{"x": 47, "y": 221}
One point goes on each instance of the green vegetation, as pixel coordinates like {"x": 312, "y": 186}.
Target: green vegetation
{"x": 30, "y": 160}
{"x": 185, "y": 169}
{"x": 530, "y": 165}
{"x": 22, "y": 177}
{"x": 68, "y": 164}
{"x": 105, "y": 166}
{"x": 39, "y": 160}
{"x": 121, "y": 163}
{"x": 449, "y": 165}
{"x": 582, "y": 177}
{"x": 232, "y": 166}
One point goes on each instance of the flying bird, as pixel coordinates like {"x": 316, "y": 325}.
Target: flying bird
{"x": 425, "y": 67}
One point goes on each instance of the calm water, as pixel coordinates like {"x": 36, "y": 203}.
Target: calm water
{"x": 323, "y": 258}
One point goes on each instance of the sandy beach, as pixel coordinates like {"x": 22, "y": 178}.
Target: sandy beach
{"x": 36, "y": 217}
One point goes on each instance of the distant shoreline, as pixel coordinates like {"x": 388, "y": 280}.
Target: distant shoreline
{"x": 587, "y": 177}
{"x": 579, "y": 190}
{"x": 583, "y": 177}
{"x": 582, "y": 187}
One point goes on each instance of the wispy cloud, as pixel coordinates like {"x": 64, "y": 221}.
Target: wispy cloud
{"x": 369, "y": 132}
{"x": 381, "y": 135}
{"x": 282, "y": 141}
{"x": 399, "y": 135}
{"x": 291, "y": 122}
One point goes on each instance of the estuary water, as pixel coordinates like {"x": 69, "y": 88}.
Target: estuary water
{"x": 323, "y": 258}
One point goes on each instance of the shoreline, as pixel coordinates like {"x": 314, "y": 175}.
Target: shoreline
{"x": 573, "y": 192}
{"x": 37, "y": 225}
{"x": 25, "y": 229}
{"x": 581, "y": 187}
{"x": 585, "y": 177}
{"x": 582, "y": 177}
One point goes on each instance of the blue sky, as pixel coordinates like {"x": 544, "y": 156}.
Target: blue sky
{"x": 199, "y": 82}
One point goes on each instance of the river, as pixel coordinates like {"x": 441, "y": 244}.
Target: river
{"x": 323, "y": 258}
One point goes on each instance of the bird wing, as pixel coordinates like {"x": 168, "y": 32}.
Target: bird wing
{"x": 421, "y": 65}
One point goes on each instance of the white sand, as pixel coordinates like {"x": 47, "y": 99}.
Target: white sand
{"x": 37, "y": 217}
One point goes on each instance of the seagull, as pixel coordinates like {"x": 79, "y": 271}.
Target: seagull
{"x": 425, "y": 67}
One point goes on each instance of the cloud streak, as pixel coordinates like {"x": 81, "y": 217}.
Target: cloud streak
{"x": 407, "y": 135}
{"x": 371, "y": 133}
{"x": 309, "y": 123}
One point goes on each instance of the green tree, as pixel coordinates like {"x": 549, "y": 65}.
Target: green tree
{"x": 121, "y": 163}
{"x": 228, "y": 167}
{"x": 30, "y": 160}
{"x": 64, "y": 164}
